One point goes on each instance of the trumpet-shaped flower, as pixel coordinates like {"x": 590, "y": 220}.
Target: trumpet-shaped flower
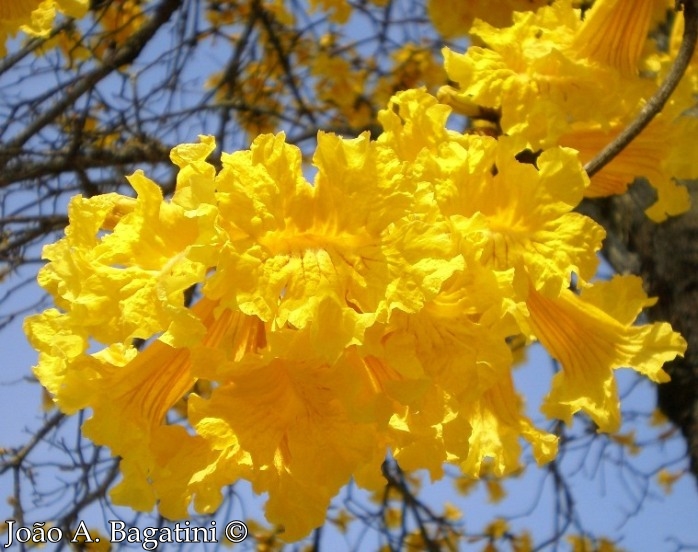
{"x": 614, "y": 32}
{"x": 659, "y": 154}
{"x": 591, "y": 336}
{"x": 287, "y": 416}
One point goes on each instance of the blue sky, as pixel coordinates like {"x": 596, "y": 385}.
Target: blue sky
{"x": 608, "y": 489}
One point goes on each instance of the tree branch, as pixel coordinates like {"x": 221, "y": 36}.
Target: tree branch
{"x": 656, "y": 103}
{"x": 117, "y": 58}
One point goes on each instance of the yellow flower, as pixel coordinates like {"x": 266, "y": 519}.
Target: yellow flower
{"x": 559, "y": 81}
{"x": 497, "y": 424}
{"x": 339, "y": 10}
{"x": 34, "y": 17}
{"x": 300, "y": 437}
{"x": 543, "y": 72}
{"x": 614, "y": 32}
{"x": 147, "y": 294}
{"x": 482, "y": 436}
{"x": 658, "y": 154}
{"x": 312, "y": 265}
{"x": 417, "y": 434}
{"x": 121, "y": 274}
{"x": 667, "y": 479}
{"x": 346, "y": 240}
{"x": 591, "y": 335}
{"x": 497, "y": 528}
{"x": 528, "y": 72}
{"x": 11, "y": 11}
{"x": 512, "y": 218}
{"x": 515, "y": 215}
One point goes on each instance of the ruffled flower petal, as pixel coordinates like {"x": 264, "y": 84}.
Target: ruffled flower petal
{"x": 590, "y": 344}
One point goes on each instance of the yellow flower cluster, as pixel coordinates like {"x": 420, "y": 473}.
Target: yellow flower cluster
{"x": 368, "y": 311}
{"x": 558, "y": 80}
{"x": 296, "y": 331}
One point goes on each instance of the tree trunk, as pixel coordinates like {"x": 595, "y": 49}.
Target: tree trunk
{"x": 666, "y": 256}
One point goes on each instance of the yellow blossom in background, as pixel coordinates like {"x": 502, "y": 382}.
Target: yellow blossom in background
{"x": 452, "y": 512}
{"x": 223, "y": 12}
{"x": 658, "y": 418}
{"x": 338, "y": 10}
{"x": 342, "y": 520}
{"x": 34, "y": 17}
{"x": 495, "y": 491}
{"x": 254, "y": 92}
{"x": 581, "y": 544}
{"x": 628, "y": 441}
{"x": 522, "y": 542}
{"x": 260, "y": 87}
{"x": 585, "y": 544}
{"x": 454, "y": 19}
{"x": 119, "y": 20}
{"x": 667, "y": 479}
{"x": 413, "y": 66}
{"x": 278, "y": 9}
{"x": 497, "y": 528}
{"x": 342, "y": 86}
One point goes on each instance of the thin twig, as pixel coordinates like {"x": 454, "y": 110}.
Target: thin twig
{"x": 18, "y": 457}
